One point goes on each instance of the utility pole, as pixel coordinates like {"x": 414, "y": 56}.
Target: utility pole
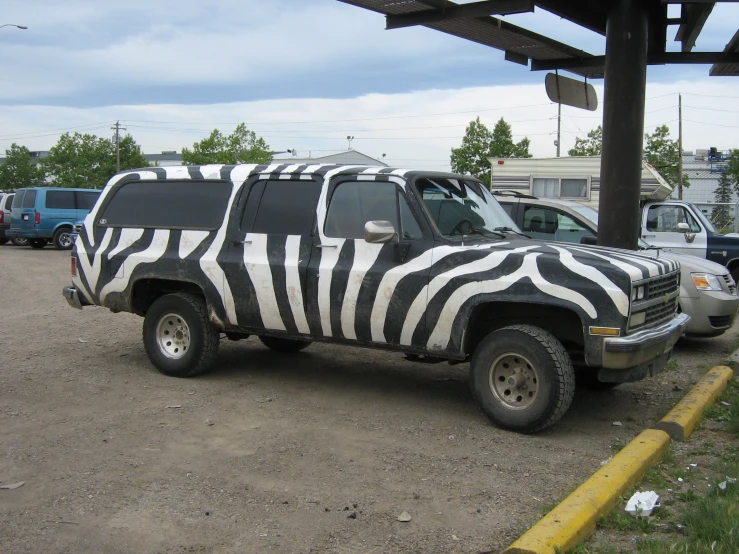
{"x": 117, "y": 127}
{"x": 680, "y": 147}
{"x": 559, "y": 125}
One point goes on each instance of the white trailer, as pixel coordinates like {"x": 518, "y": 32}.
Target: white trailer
{"x": 571, "y": 178}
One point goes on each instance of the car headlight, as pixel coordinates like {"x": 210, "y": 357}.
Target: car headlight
{"x": 637, "y": 293}
{"x": 706, "y": 281}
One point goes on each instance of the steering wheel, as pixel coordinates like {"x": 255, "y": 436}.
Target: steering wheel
{"x": 458, "y": 228}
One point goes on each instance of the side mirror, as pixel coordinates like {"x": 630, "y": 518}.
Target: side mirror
{"x": 683, "y": 227}
{"x": 379, "y": 232}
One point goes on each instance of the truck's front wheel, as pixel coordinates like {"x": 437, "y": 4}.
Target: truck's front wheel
{"x": 522, "y": 378}
{"x": 178, "y": 336}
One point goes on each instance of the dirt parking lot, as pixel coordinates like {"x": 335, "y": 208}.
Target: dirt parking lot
{"x": 313, "y": 452}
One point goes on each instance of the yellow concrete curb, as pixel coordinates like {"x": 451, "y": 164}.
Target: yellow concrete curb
{"x": 682, "y": 419}
{"x": 574, "y": 518}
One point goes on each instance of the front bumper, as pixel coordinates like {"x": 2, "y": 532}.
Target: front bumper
{"x": 711, "y": 314}
{"x": 622, "y": 353}
{"x": 72, "y": 297}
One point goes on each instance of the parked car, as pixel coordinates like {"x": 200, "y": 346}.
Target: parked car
{"x": 41, "y": 214}
{"x": 707, "y": 290}
{"x": 421, "y": 262}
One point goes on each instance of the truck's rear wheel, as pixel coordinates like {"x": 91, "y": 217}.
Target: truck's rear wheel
{"x": 4, "y": 240}
{"x": 284, "y": 345}
{"x": 178, "y": 336}
{"x": 522, "y": 378}
{"x": 19, "y": 241}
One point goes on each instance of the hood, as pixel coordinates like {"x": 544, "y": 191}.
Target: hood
{"x": 692, "y": 264}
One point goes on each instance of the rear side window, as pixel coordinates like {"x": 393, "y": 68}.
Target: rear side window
{"x": 86, "y": 200}
{"x": 286, "y": 207}
{"x": 60, "y": 199}
{"x": 8, "y": 201}
{"x": 29, "y": 199}
{"x": 18, "y": 200}
{"x": 168, "y": 205}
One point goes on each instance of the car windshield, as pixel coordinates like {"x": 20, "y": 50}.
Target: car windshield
{"x": 704, "y": 220}
{"x": 589, "y": 213}
{"x": 460, "y": 207}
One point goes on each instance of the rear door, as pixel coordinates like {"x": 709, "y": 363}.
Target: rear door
{"x": 268, "y": 254}
{"x": 24, "y": 210}
{"x": 659, "y": 228}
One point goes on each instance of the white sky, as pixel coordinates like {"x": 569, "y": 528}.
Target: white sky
{"x": 172, "y": 71}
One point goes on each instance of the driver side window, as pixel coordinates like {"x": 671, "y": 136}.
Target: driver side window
{"x": 664, "y": 219}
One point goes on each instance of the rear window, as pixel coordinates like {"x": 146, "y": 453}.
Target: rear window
{"x": 86, "y": 200}
{"x": 60, "y": 199}
{"x": 168, "y": 205}
{"x": 8, "y": 201}
{"x": 29, "y": 199}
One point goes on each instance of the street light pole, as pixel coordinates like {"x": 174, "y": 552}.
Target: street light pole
{"x": 14, "y": 25}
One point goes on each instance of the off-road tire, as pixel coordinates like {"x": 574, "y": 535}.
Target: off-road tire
{"x": 62, "y": 240}
{"x": 284, "y": 345}
{"x": 539, "y": 354}
{"x": 203, "y": 336}
{"x": 19, "y": 241}
{"x": 37, "y": 243}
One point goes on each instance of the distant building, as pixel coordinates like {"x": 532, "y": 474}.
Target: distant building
{"x": 166, "y": 158}
{"x": 350, "y": 157}
{"x": 703, "y": 168}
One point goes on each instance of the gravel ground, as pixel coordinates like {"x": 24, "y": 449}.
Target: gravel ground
{"x": 319, "y": 451}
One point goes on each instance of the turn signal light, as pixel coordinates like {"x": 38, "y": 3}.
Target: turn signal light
{"x": 38, "y": 218}
{"x": 605, "y": 331}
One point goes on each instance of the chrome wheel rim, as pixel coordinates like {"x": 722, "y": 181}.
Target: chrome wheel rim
{"x": 514, "y": 381}
{"x": 65, "y": 240}
{"x": 173, "y": 336}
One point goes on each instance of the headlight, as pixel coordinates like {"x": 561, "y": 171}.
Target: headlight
{"x": 706, "y": 281}
{"x": 637, "y": 293}
{"x": 637, "y": 319}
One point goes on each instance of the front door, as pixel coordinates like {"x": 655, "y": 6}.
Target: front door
{"x": 357, "y": 290}
{"x": 659, "y": 228}
{"x": 268, "y": 254}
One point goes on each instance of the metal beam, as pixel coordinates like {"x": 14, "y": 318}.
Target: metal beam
{"x": 474, "y": 9}
{"x": 727, "y": 69}
{"x": 696, "y": 15}
{"x": 666, "y": 58}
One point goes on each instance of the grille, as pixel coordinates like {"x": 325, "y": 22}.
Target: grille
{"x": 659, "y": 312}
{"x": 662, "y": 286}
{"x": 730, "y": 283}
{"x": 720, "y": 320}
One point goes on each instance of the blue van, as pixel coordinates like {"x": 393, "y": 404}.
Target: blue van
{"x": 41, "y": 214}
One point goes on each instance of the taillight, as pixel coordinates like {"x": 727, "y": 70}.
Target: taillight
{"x": 2, "y": 216}
{"x": 38, "y": 218}
{"x": 74, "y": 266}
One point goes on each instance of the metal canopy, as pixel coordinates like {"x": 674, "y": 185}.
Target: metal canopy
{"x": 475, "y": 21}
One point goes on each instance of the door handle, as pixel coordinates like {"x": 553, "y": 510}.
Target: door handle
{"x": 649, "y": 236}
{"x": 245, "y": 242}
{"x": 326, "y": 245}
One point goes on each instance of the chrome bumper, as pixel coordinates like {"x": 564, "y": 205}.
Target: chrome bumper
{"x": 643, "y": 346}
{"x": 72, "y": 297}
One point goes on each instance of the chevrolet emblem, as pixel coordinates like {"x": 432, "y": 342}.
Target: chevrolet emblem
{"x": 667, "y": 298}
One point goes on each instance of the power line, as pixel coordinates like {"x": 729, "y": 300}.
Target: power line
{"x": 53, "y": 132}
{"x": 711, "y": 109}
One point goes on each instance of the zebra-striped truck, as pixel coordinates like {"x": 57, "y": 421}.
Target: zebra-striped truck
{"x": 425, "y": 263}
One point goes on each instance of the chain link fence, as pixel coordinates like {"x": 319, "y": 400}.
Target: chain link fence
{"x": 723, "y": 215}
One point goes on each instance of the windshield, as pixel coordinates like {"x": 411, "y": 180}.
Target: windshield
{"x": 458, "y": 207}
{"x": 587, "y": 212}
{"x": 704, "y": 220}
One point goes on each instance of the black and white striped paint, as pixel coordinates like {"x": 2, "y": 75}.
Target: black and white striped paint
{"x": 346, "y": 289}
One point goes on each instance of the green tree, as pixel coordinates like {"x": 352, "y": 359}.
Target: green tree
{"x": 19, "y": 170}
{"x": 479, "y": 144}
{"x": 661, "y": 152}
{"x": 88, "y": 161}
{"x": 721, "y": 216}
{"x": 241, "y": 146}
{"x": 590, "y": 146}
{"x": 732, "y": 169}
